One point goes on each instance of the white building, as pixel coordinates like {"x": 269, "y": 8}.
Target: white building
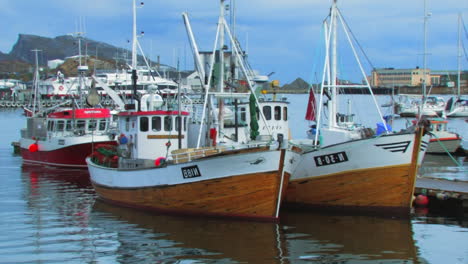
{"x": 52, "y": 64}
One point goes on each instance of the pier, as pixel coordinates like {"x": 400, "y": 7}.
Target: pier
{"x": 445, "y": 196}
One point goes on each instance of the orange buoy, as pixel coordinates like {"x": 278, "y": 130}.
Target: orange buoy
{"x": 421, "y": 200}
{"x": 33, "y": 147}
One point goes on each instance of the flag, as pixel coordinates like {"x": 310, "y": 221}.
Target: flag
{"x": 311, "y": 106}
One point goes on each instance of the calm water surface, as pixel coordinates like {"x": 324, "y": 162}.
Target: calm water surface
{"x": 52, "y": 216}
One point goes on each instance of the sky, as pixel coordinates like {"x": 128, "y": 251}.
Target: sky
{"x": 280, "y": 36}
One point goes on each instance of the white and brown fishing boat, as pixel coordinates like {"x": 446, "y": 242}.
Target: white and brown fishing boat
{"x": 147, "y": 171}
{"x": 157, "y": 167}
{"x": 345, "y": 165}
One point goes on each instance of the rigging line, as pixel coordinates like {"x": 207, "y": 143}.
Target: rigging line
{"x": 446, "y": 150}
{"x": 464, "y": 51}
{"x": 358, "y": 44}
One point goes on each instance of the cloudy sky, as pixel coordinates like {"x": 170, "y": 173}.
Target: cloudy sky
{"x": 280, "y": 36}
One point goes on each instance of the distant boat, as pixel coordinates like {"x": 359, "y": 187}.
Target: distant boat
{"x": 411, "y": 106}
{"x": 442, "y": 140}
{"x": 64, "y": 137}
{"x": 346, "y": 166}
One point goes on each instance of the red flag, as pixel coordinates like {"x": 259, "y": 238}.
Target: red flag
{"x": 311, "y": 106}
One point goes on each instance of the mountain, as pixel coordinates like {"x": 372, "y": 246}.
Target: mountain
{"x": 21, "y": 59}
{"x": 59, "y": 48}
{"x": 297, "y": 86}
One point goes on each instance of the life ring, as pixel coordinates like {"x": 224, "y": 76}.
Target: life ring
{"x": 61, "y": 87}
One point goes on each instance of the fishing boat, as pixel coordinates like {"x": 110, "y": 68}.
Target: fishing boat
{"x": 442, "y": 139}
{"x": 63, "y": 136}
{"x": 410, "y": 105}
{"x": 344, "y": 165}
{"x": 147, "y": 171}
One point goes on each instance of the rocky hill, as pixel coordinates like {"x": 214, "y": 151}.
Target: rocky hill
{"x": 58, "y": 48}
{"x": 21, "y": 59}
{"x": 297, "y": 86}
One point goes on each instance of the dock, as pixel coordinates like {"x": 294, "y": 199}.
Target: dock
{"x": 445, "y": 196}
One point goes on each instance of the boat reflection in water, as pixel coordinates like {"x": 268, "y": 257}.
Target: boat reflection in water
{"x": 301, "y": 236}
{"x": 199, "y": 239}
{"x": 65, "y": 223}
{"x": 348, "y": 238}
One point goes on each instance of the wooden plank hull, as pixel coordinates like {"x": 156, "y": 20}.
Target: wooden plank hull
{"x": 218, "y": 191}
{"x": 389, "y": 188}
{"x": 366, "y": 175}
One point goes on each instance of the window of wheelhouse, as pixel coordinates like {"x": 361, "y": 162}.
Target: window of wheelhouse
{"x": 267, "y": 112}
{"x": 177, "y": 123}
{"x": 144, "y": 124}
{"x": 184, "y": 123}
{"x": 60, "y": 125}
{"x": 102, "y": 124}
{"x": 50, "y": 125}
{"x": 68, "y": 125}
{"x": 285, "y": 113}
{"x": 127, "y": 123}
{"x": 80, "y": 125}
{"x": 168, "y": 123}
{"x": 156, "y": 123}
{"x": 243, "y": 114}
{"x": 277, "y": 112}
{"x": 92, "y": 124}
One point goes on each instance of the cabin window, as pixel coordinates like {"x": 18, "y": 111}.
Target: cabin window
{"x": 92, "y": 125}
{"x": 80, "y": 125}
{"x": 177, "y": 119}
{"x": 168, "y": 123}
{"x": 267, "y": 112}
{"x": 156, "y": 123}
{"x": 277, "y": 112}
{"x": 144, "y": 124}
{"x": 102, "y": 124}
{"x": 60, "y": 125}
{"x": 68, "y": 125}
{"x": 243, "y": 114}
{"x": 50, "y": 125}
{"x": 127, "y": 124}
{"x": 285, "y": 113}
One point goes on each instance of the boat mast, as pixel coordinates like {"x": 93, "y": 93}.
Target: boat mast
{"x": 221, "y": 71}
{"x": 36, "y": 100}
{"x": 134, "y": 57}
{"x": 426, "y": 17}
{"x": 333, "y": 30}
{"x": 459, "y": 55}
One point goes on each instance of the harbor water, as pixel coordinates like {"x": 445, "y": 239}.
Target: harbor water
{"x": 51, "y": 215}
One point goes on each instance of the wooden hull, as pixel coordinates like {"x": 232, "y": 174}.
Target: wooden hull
{"x": 251, "y": 193}
{"x": 376, "y": 175}
{"x": 377, "y": 189}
